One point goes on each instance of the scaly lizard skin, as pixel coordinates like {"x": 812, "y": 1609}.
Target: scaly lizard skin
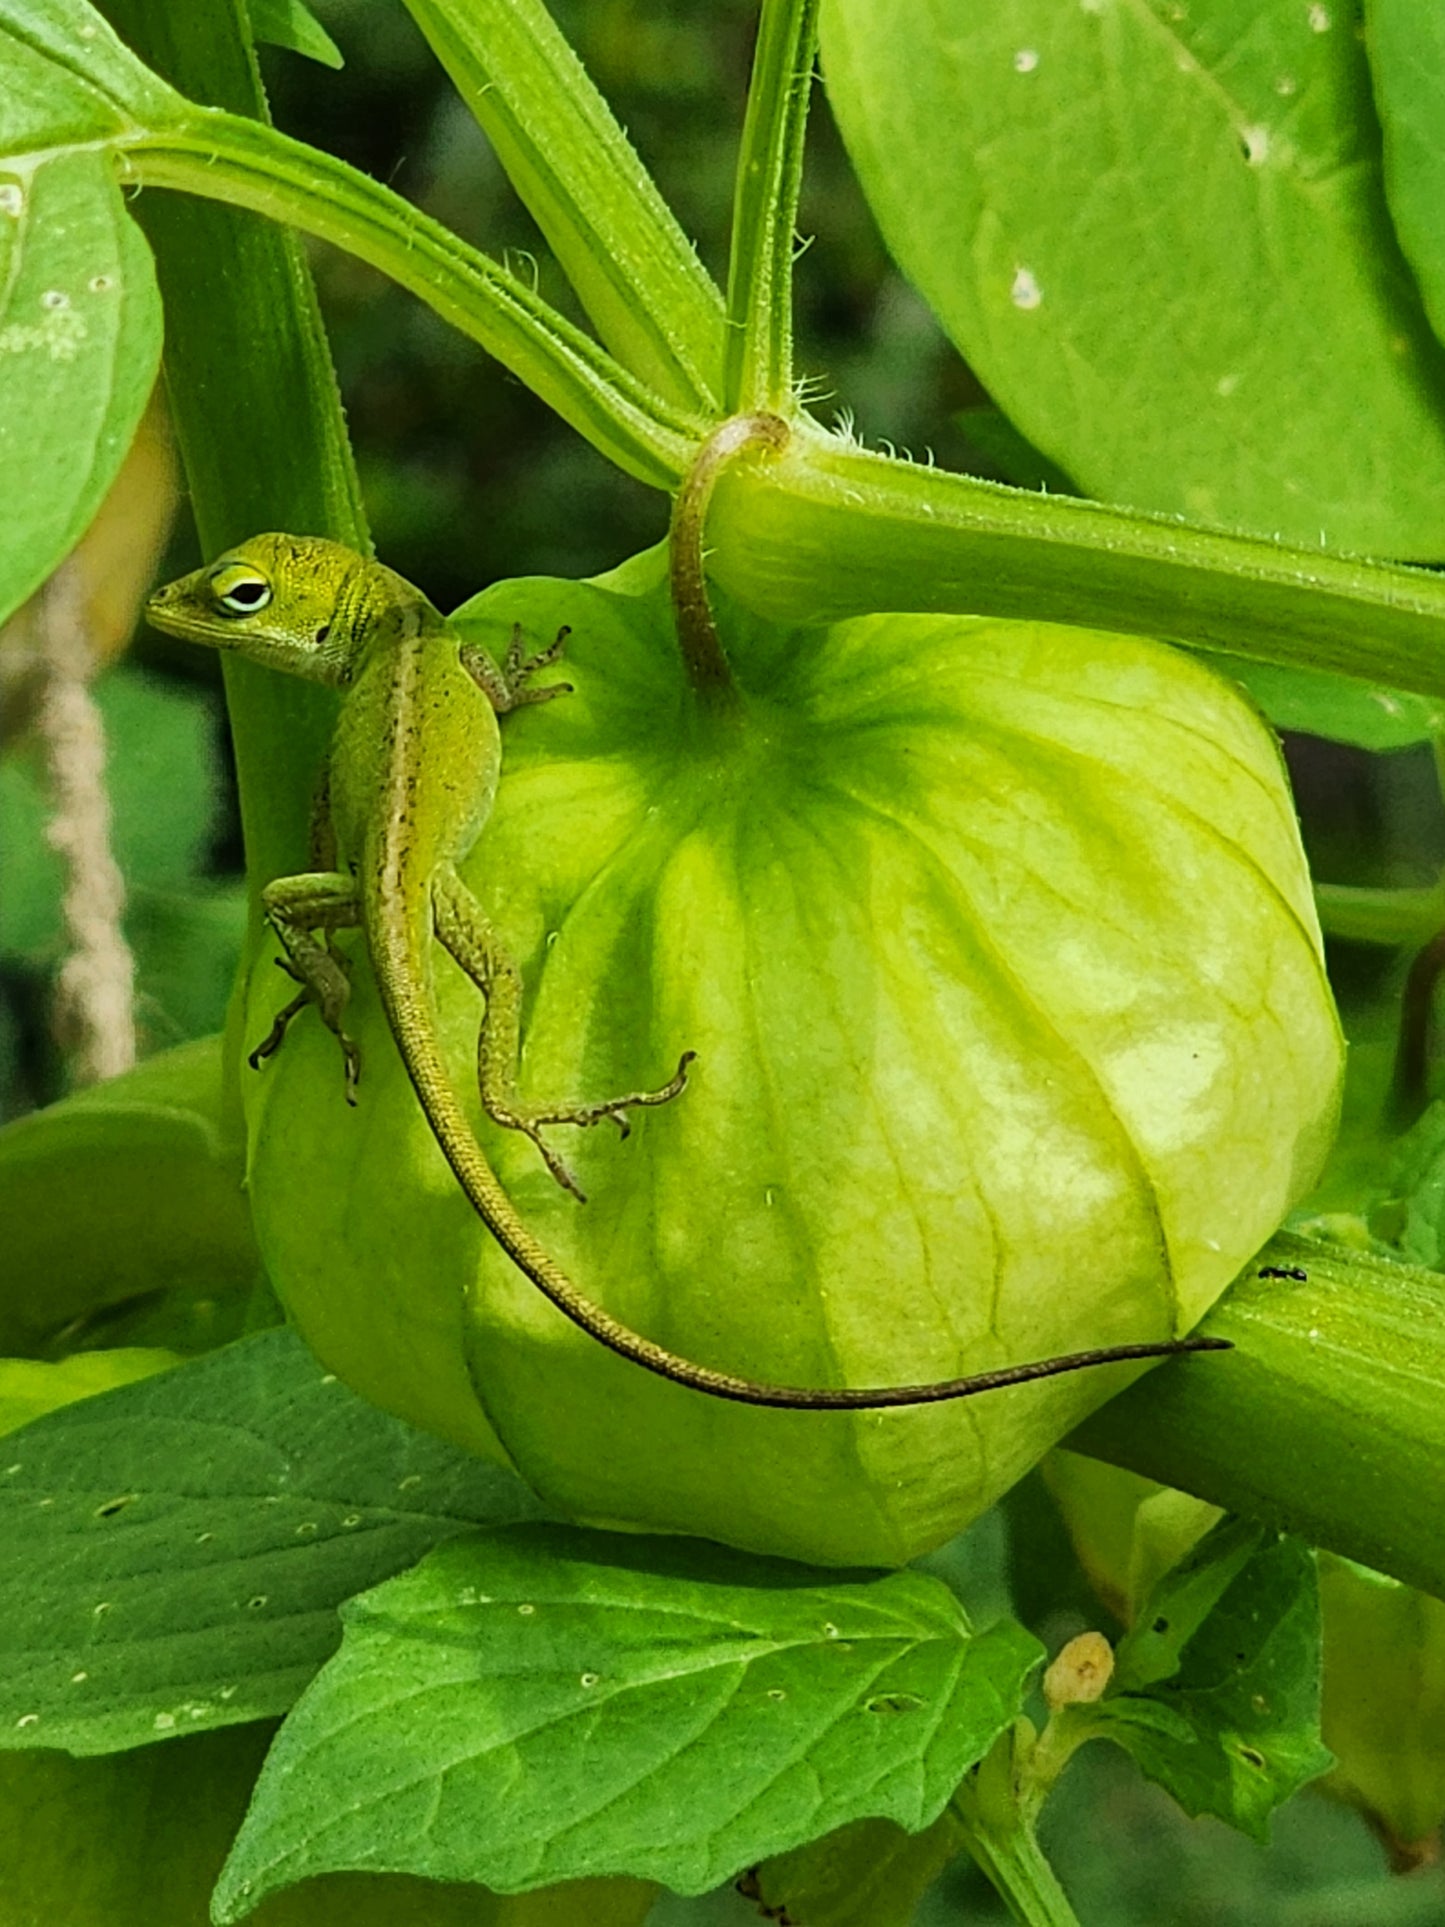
{"x": 410, "y": 781}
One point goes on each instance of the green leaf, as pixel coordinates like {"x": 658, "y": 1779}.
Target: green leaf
{"x": 80, "y": 343}
{"x": 1406, "y": 45}
{"x": 126, "y": 1194}
{"x": 172, "y": 1554}
{"x": 1411, "y": 1213}
{"x": 29, "y": 1388}
{"x": 80, "y": 316}
{"x": 868, "y": 1874}
{"x": 1338, "y": 708}
{"x": 70, "y": 78}
{"x": 186, "y": 944}
{"x": 291, "y": 24}
{"x": 1160, "y": 240}
{"x": 1180, "y": 1604}
{"x": 1217, "y": 1691}
{"x": 536, "y": 1704}
{"x": 137, "y": 1839}
{"x": 634, "y": 270}
{"x": 1384, "y": 1664}
{"x": 130, "y": 1841}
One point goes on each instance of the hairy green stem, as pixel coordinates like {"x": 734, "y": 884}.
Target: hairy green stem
{"x": 617, "y": 241}
{"x": 759, "y": 371}
{"x": 226, "y": 158}
{"x": 830, "y": 530}
{"x": 697, "y": 635}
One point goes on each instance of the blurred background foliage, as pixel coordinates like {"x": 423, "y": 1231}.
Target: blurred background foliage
{"x": 468, "y": 479}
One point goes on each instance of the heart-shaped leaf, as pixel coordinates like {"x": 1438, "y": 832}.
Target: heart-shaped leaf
{"x": 533, "y": 1704}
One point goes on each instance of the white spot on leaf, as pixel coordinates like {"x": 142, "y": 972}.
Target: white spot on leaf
{"x": 12, "y": 200}
{"x": 1025, "y": 292}
{"x": 1319, "y": 19}
{"x": 59, "y": 336}
{"x": 1256, "y": 144}
{"x": 1026, "y": 60}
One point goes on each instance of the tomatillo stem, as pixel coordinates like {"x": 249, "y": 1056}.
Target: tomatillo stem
{"x": 697, "y": 634}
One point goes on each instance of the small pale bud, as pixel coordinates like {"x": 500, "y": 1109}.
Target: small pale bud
{"x": 1080, "y": 1672}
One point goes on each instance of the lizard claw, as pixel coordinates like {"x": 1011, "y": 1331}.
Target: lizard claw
{"x": 558, "y": 1166}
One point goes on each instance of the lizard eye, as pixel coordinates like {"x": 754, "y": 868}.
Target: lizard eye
{"x": 240, "y": 591}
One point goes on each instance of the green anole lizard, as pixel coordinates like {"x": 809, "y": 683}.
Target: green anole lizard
{"x": 410, "y": 781}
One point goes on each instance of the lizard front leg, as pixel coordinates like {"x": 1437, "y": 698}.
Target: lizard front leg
{"x": 464, "y": 930}
{"x": 299, "y": 908}
{"x": 509, "y": 687}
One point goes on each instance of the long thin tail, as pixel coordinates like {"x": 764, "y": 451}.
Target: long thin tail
{"x": 415, "y": 1032}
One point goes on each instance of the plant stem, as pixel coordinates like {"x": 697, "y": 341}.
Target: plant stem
{"x": 615, "y": 238}
{"x": 1398, "y": 919}
{"x": 830, "y": 530}
{"x": 1326, "y": 1419}
{"x": 759, "y": 371}
{"x": 697, "y": 635}
{"x": 254, "y": 400}
{"x": 226, "y": 158}
{"x": 1001, "y": 1838}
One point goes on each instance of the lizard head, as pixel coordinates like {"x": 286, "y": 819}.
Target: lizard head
{"x": 295, "y": 602}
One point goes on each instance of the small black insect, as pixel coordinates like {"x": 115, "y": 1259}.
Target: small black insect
{"x": 1283, "y": 1271}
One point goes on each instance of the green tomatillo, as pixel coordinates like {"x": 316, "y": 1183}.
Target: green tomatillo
{"x": 996, "y": 946}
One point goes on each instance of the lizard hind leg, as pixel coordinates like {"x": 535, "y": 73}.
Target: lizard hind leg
{"x": 306, "y": 912}
{"x": 475, "y": 945}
